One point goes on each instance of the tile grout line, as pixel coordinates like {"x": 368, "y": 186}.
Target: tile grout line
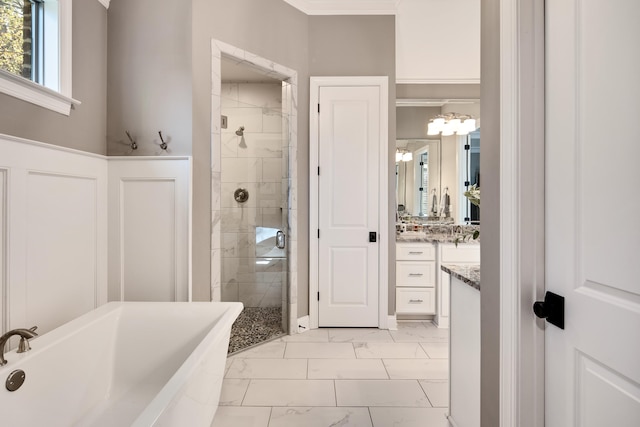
{"x": 245, "y": 393}
{"x": 425, "y": 393}
{"x": 370, "y": 415}
{"x": 270, "y": 415}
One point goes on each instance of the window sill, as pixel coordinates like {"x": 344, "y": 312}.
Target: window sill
{"x": 34, "y": 93}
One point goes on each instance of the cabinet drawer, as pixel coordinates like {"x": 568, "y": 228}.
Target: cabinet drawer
{"x": 416, "y": 273}
{"x": 415, "y": 252}
{"x": 463, "y": 253}
{"x": 415, "y": 301}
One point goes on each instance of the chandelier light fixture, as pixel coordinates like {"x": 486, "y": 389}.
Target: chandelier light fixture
{"x": 451, "y": 123}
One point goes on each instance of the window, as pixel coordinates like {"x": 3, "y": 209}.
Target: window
{"x": 471, "y": 175}
{"x": 423, "y": 183}
{"x": 35, "y": 52}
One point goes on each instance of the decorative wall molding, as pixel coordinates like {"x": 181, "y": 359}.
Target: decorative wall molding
{"x": 55, "y": 205}
{"x": 345, "y": 7}
{"x": 54, "y": 237}
{"x": 149, "y": 229}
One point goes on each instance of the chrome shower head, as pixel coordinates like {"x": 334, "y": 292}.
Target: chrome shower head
{"x": 240, "y": 131}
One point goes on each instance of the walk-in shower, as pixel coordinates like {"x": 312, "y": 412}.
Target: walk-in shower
{"x": 254, "y": 185}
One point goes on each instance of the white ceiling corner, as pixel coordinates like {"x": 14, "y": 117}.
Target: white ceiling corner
{"x": 105, "y": 3}
{"x": 346, "y": 7}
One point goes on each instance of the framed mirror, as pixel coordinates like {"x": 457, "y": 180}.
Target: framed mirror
{"x": 434, "y": 171}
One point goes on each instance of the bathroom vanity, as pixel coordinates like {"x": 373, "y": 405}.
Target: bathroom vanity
{"x": 422, "y": 288}
{"x": 464, "y": 344}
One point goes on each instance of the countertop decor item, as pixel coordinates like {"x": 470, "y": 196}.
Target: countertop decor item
{"x": 473, "y": 194}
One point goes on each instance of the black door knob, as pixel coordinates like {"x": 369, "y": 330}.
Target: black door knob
{"x": 551, "y": 309}
{"x": 538, "y": 309}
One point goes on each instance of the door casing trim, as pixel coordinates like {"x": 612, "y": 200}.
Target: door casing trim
{"x": 521, "y": 213}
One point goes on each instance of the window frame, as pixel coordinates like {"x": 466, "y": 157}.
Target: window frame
{"x": 58, "y": 99}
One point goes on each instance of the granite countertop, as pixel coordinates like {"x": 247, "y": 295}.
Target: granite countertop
{"x": 422, "y": 237}
{"x": 446, "y": 233}
{"x": 469, "y": 273}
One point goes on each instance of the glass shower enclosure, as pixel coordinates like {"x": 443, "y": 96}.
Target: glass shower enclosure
{"x": 254, "y": 208}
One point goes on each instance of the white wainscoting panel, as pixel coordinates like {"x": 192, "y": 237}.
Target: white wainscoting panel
{"x": 55, "y": 233}
{"x": 149, "y": 229}
{"x": 61, "y": 228}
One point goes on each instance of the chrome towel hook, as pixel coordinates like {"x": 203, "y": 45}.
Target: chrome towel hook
{"x": 163, "y": 145}
{"x": 133, "y": 145}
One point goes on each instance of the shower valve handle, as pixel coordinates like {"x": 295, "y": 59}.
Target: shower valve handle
{"x": 280, "y": 239}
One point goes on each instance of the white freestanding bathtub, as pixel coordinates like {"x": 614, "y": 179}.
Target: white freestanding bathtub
{"x": 124, "y": 364}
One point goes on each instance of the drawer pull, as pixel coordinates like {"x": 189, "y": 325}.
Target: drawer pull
{"x": 415, "y": 301}
{"x": 415, "y": 252}
{"x": 416, "y": 274}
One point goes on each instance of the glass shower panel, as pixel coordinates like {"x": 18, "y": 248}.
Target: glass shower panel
{"x": 254, "y": 206}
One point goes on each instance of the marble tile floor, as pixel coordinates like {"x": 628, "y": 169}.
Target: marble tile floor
{"x": 340, "y": 377}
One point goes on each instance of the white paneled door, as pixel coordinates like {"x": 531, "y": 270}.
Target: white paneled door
{"x": 348, "y": 200}
{"x": 592, "y": 367}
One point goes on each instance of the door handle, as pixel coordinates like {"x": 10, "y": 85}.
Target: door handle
{"x": 551, "y": 309}
{"x": 280, "y": 239}
{"x": 373, "y": 237}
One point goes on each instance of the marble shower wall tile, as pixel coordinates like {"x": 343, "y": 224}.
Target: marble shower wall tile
{"x": 242, "y": 170}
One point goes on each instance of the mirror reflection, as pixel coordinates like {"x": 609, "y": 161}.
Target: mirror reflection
{"x": 434, "y": 170}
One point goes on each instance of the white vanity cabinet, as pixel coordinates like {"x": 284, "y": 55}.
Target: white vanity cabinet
{"x": 448, "y": 253}
{"x": 416, "y": 277}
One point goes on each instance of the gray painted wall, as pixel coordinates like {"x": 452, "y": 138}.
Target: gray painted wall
{"x": 490, "y": 248}
{"x": 438, "y": 91}
{"x": 149, "y": 76}
{"x": 274, "y": 30}
{"x": 358, "y": 46}
{"x": 85, "y": 128}
{"x": 412, "y": 122}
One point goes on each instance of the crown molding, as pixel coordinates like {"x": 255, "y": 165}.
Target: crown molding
{"x": 105, "y": 3}
{"x": 346, "y": 7}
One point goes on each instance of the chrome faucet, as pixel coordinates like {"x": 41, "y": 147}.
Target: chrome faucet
{"x": 25, "y": 335}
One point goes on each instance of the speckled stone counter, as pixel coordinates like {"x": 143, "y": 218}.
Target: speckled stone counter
{"x": 469, "y": 274}
{"x": 439, "y": 234}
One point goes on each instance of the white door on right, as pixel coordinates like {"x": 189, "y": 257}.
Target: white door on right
{"x": 592, "y": 367}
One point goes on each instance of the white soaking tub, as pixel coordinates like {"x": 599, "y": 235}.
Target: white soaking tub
{"x": 124, "y": 364}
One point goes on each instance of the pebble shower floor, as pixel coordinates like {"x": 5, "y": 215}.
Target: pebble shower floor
{"x": 254, "y": 326}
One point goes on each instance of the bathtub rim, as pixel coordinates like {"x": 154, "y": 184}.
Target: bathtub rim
{"x": 161, "y": 402}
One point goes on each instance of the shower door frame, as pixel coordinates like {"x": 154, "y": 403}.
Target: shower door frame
{"x": 289, "y": 108}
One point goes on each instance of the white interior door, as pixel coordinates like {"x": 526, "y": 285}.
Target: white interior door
{"x": 349, "y": 154}
{"x": 592, "y": 372}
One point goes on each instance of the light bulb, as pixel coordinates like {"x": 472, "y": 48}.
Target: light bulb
{"x": 407, "y": 157}
{"x": 438, "y": 122}
{"x": 432, "y": 129}
{"x": 447, "y": 130}
{"x": 455, "y": 124}
{"x": 398, "y": 156}
{"x": 470, "y": 124}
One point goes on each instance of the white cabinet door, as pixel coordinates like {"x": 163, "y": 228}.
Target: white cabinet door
{"x": 592, "y": 367}
{"x": 349, "y": 155}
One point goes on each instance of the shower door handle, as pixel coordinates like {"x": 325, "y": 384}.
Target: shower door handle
{"x": 280, "y": 239}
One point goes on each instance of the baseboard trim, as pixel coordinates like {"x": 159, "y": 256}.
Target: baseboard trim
{"x": 392, "y": 323}
{"x": 303, "y": 324}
